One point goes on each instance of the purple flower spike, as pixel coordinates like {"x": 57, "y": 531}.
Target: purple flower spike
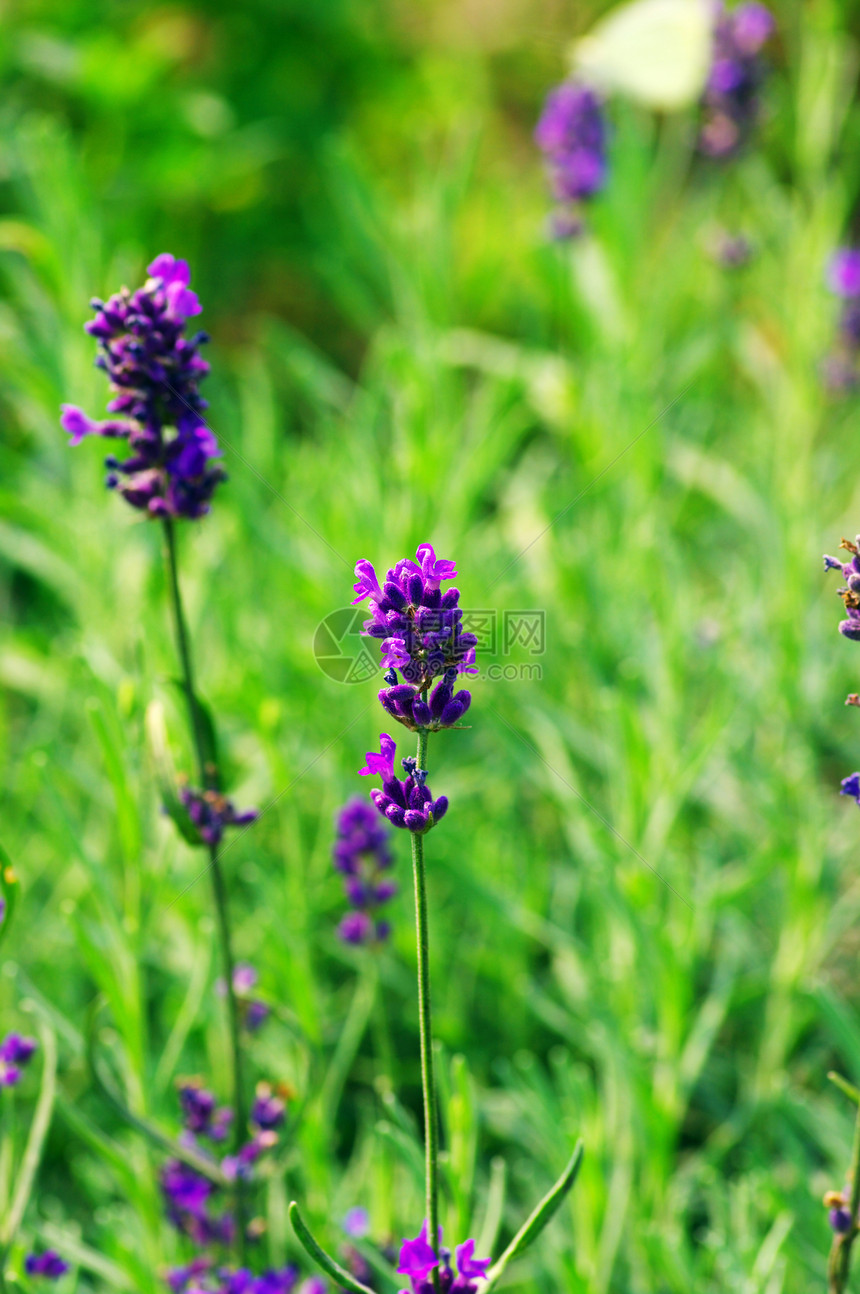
{"x": 362, "y": 854}
{"x": 840, "y": 1219}
{"x": 406, "y": 803}
{"x": 730, "y": 104}
{"x": 154, "y": 371}
{"x": 211, "y": 812}
{"x": 851, "y": 786}
{"x": 571, "y": 134}
{"x": 420, "y": 631}
{"x": 843, "y": 272}
{"x": 15, "y": 1054}
{"x": 48, "y": 1264}
{"x": 417, "y": 1261}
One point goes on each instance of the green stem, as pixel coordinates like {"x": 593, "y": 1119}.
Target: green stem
{"x": 839, "y": 1263}
{"x": 208, "y": 779}
{"x": 425, "y": 1025}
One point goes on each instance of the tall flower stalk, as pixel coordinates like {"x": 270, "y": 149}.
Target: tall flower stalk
{"x": 171, "y": 473}
{"x": 844, "y": 1206}
{"x": 208, "y": 777}
{"x": 424, "y": 651}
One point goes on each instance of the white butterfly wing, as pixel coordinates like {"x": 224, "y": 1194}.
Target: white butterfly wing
{"x": 656, "y": 51}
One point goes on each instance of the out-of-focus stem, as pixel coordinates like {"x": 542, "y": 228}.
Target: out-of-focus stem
{"x": 839, "y": 1264}
{"x": 208, "y": 778}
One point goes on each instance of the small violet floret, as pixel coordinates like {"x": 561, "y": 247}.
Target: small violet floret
{"x": 408, "y": 804}
{"x": 418, "y": 1259}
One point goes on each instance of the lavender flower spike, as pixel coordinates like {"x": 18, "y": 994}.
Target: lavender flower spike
{"x": 48, "y": 1264}
{"x": 417, "y": 1260}
{"x": 154, "y": 371}
{"x": 571, "y": 134}
{"x": 730, "y": 103}
{"x": 408, "y": 803}
{"x": 420, "y": 629}
{"x": 211, "y": 812}
{"x": 362, "y": 854}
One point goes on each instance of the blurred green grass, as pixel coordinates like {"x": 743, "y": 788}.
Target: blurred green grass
{"x": 644, "y": 904}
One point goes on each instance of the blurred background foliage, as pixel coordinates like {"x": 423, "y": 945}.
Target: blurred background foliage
{"x": 644, "y": 898}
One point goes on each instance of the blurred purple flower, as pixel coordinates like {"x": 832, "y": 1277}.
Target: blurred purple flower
{"x": 571, "y": 133}
{"x": 356, "y": 1224}
{"x": 361, "y": 852}
{"x": 48, "y": 1264}
{"x": 730, "y": 104}
{"x": 211, "y": 812}
{"x": 15, "y": 1054}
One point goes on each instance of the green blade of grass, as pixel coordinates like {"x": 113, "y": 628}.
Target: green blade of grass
{"x": 534, "y": 1225}
{"x": 321, "y": 1258}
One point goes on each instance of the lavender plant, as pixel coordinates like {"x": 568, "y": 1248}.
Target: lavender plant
{"x": 730, "y": 103}
{"x": 840, "y": 367}
{"x": 171, "y": 474}
{"x": 843, "y": 1206}
{"x": 423, "y": 643}
{"x": 362, "y": 854}
{"x": 572, "y": 134}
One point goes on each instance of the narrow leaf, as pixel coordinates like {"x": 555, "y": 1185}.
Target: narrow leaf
{"x": 532, "y": 1228}
{"x": 36, "y": 1139}
{"x": 156, "y": 731}
{"x": 339, "y": 1274}
{"x": 849, "y": 1089}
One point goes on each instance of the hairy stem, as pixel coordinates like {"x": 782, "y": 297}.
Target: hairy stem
{"x": 425, "y": 1025}
{"x": 839, "y": 1263}
{"x": 208, "y": 779}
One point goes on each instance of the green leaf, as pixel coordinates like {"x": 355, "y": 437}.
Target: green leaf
{"x": 849, "y": 1089}
{"x": 321, "y": 1258}
{"x": 206, "y": 723}
{"x": 165, "y": 774}
{"x": 534, "y": 1225}
{"x": 35, "y": 1140}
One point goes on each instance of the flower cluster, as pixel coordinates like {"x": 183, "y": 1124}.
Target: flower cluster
{"x": 48, "y": 1264}
{"x": 838, "y": 1208}
{"x": 850, "y": 628}
{"x": 730, "y": 103}
{"x": 420, "y": 629}
{"x": 154, "y": 370}
{"x": 192, "y": 1198}
{"x": 202, "y": 1277}
{"x": 15, "y": 1054}
{"x": 843, "y": 279}
{"x": 361, "y": 852}
{"x": 417, "y": 1260}
{"x": 211, "y": 812}
{"x": 408, "y": 803}
{"x": 571, "y": 133}
{"x": 253, "y": 1012}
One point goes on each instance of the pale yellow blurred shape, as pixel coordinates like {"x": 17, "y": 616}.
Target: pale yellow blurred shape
{"x": 655, "y": 51}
